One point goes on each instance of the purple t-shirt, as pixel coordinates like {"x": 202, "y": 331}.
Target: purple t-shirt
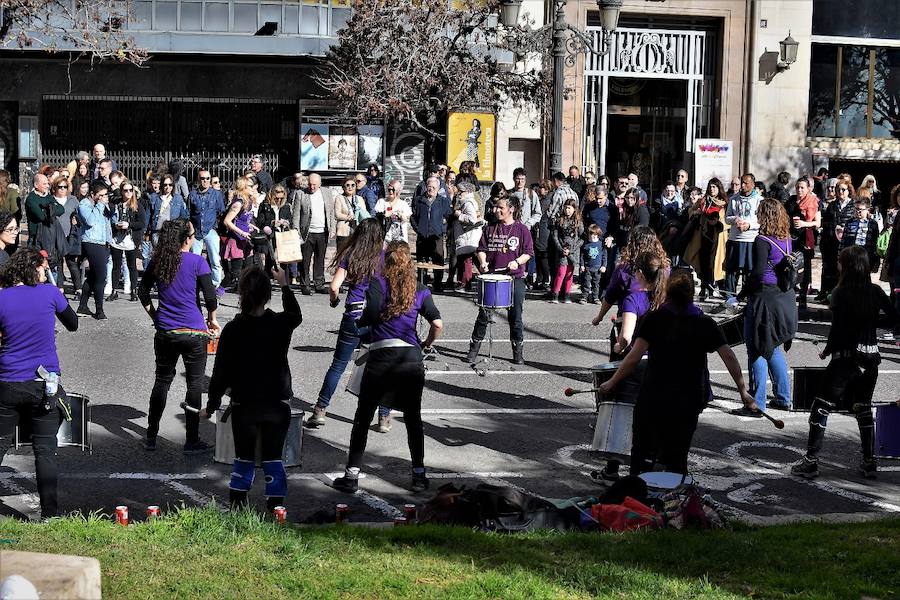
{"x": 621, "y": 283}
{"x": 504, "y": 243}
{"x": 402, "y": 327}
{"x": 775, "y": 256}
{"x": 636, "y": 302}
{"x": 178, "y": 304}
{"x": 27, "y": 322}
{"x": 357, "y": 291}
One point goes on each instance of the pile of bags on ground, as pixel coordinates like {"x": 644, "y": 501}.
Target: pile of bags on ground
{"x": 627, "y": 505}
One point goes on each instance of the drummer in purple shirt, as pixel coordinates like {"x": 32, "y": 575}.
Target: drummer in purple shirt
{"x": 394, "y": 374}
{"x": 181, "y": 331}
{"x": 505, "y": 247}
{"x": 29, "y": 308}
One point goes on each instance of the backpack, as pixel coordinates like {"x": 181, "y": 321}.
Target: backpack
{"x": 789, "y": 270}
{"x": 884, "y": 240}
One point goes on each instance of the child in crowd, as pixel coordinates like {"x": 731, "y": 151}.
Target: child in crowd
{"x": 567, "y": 238}
{"x": 863, "y": 231}
{"x": 593, "y": 265}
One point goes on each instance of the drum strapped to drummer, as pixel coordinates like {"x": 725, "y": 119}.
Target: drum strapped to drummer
{"x": 505, "y": 248}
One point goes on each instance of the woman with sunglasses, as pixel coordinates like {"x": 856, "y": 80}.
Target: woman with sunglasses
{"x": 181, "y": 331}
{"x": 374, "y": 181}
{"x": 165, "y": 206}
{"x": 837, "y": 213}
{"x": 63, "y": 196}
{"x": 348, "y": 208}
{"x": 394, "y": 212}
{"x": 128, "y": 228}
{"x": 274, "y": 215}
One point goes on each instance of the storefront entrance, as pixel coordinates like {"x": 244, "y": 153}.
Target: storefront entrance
{"x": 646, "y": 122}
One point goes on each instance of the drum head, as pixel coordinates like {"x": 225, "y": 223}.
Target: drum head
{"x": 664, "y": 480}
{"x": 495, "y": 277}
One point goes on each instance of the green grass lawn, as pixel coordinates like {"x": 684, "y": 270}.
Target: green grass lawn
{"x": 200, "y": 553}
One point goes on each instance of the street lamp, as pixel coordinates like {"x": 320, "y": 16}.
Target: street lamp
{"x": 788, "y": 52}
{"x": 568, "y": 43}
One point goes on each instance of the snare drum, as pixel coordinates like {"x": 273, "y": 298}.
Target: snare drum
{"x": 664, "y": 481}
{"x": 807, "y": 385}
{"x": 494, "y": 291}
{"x": 733, "y": 329}
{"x": 290, "y": 454}
{"x": 612, "y": 434}
{"x": 887, "y": 431}
{"x": 76, "y": 432}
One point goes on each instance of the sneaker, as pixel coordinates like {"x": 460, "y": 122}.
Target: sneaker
{"x": 868, "y": 469}
{"x": 596, "y": 301}
{"x": 553, "y": 301}
{"x": 806, "y": 468}
{"x": 101, "y": 316}
{"x": 419, "y": 482}
{"x": 84, "y": 312}
{"x": 220, "y": 291}
{"x": 567, "y": 301}
{"x": 198, "y": 447}
{"x": 316, "y": 419}
{"x": 582, "y": 301}
{"x": 746, "y": 412}
{"x": 384, "y": 424}
{"x": 346, "y": 485}
{"x": 886, "y": 337}
{"x": 150, "y": 444}
{"x": 778, "y": 406}
{"x": 305, "y": 290}
{"x": 112, "y": 297}
{"x": 607, "y": 474}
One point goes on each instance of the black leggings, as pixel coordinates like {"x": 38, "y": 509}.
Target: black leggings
{"x": 661, "y": 438}
{"x": 97, "y": 256}
{"x": 18, "y": 405}
{"x": 415, "y": 434}
{"x": 131, "y": 261}
{"x": 269, "y": 421}
{"x": 192, "y": 350}
{"x": 74, "y": 265}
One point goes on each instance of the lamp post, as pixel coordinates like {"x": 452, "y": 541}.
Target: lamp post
{"x": 568, "y": 43}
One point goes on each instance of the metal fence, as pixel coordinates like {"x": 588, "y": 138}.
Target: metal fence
{"x": 136, "y": 164}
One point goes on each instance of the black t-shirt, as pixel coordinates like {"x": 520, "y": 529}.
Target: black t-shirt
{"x": 677, "y": 375}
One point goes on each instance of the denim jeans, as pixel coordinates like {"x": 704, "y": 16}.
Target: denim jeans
{"x": 110, "y": 284}
{"x": 211, "y": 241}
{"x": 18, "y": 403}
{"x": 146, "y": 253}
{"x": 348, "y": 341}
{"x": 192, "y": 350}
{"x": 759, "y": 368}
{"x": 513, "y": 316}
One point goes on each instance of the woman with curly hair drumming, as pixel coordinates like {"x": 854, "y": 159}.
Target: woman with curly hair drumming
{"x": 180, "y": 328}
{"x": 395, "y": 374}
{"x": 29, "y": 308}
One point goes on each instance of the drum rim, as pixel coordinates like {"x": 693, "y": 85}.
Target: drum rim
{"x": 494, "y": 277}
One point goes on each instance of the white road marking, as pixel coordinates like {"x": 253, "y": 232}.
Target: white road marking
{"x": 748, "y": 495}
{"x": 32, "y": 501}
{"x": 371, "y": 500}
{"x": 534, "y": 341}
{"x": 194, "y": 495}
{"x": 507, "y": 411}
{"x": 582, "y": 370}
{"x": 477, "y": 475}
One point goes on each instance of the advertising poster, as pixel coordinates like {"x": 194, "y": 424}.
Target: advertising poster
{"x": 342, "y": 148}
{"x": 371, "y": 146}
{"x": 713, "y": 158}
{"x": 472, "y": 136}
{"x": 313, "y": 147}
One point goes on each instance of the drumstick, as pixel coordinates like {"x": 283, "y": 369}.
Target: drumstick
{"x": 572, "y": 392}
{"x": 186, "y": 406}
{"x": 778, "y": 423}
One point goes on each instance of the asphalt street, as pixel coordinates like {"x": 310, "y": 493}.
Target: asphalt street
{"x": 513, "y": 426}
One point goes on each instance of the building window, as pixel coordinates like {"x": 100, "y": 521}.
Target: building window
{"x": 191, "y": 16}
{"x": 216, "y": 16}
{"x": 868, "y": 19}
{"x": 854, "y": 92}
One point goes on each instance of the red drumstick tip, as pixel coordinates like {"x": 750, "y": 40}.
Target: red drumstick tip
{"x": 569, "y": 392}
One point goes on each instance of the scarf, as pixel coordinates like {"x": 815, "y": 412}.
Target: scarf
{"x": 809, "y": 205}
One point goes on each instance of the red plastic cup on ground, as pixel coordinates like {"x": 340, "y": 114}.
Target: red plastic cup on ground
{"x": 280, "y": 514}
{"x": 409, "y": 511}
{"x": 152, "y": 512}
{"x": 122, "y": 515}
{"x": 400, "y": 521}
{"x": 340, "y": 513}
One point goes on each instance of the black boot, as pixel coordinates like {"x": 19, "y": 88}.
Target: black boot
{"x": 517, "y": 348}
{"x": 237, "y": 499}
{"x": 134, "y": 296}
{"x": 474, "y": 347}
{"x": 113, "y": 296}
{"x": 273, "y": 501}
